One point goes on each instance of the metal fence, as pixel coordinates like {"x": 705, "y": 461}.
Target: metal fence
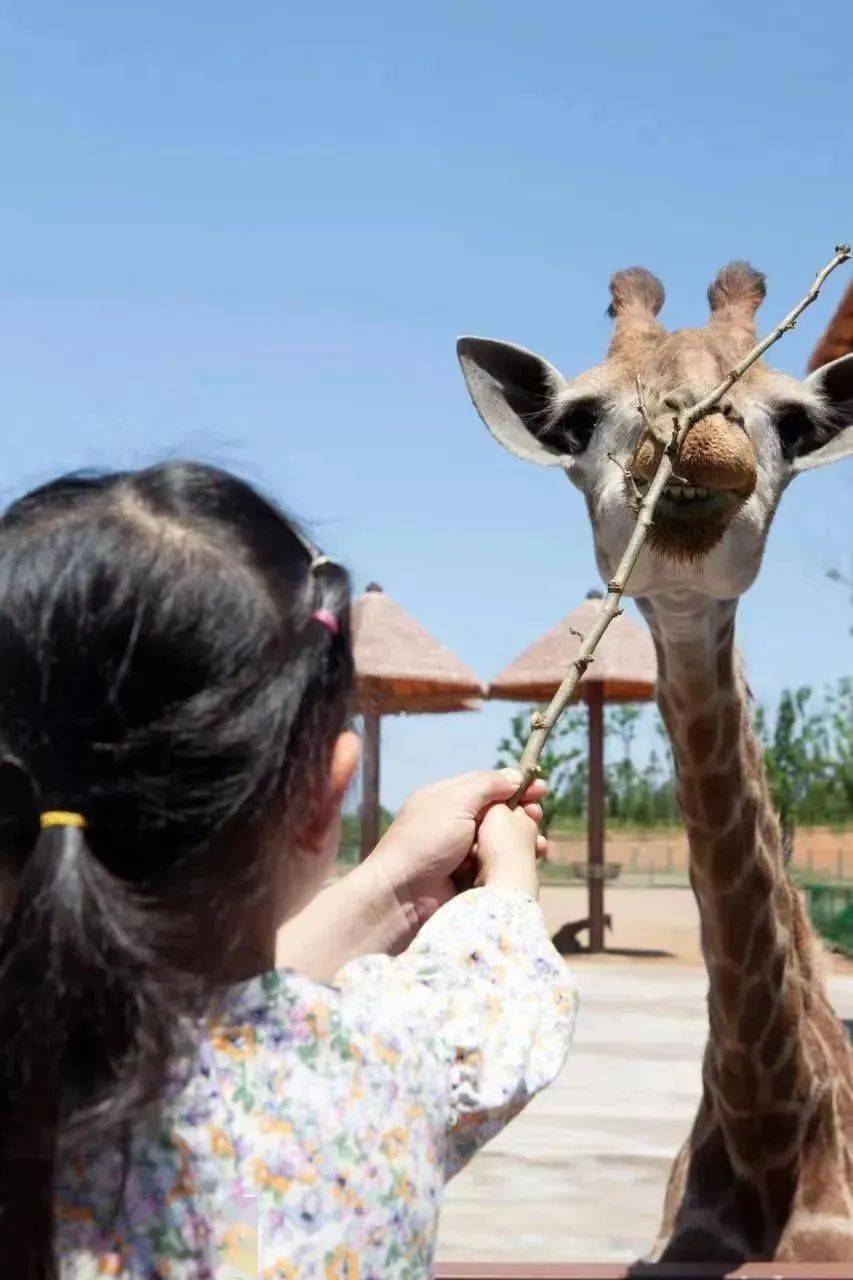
{"x": 666, "y": 867}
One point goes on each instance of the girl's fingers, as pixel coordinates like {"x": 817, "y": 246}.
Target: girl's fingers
{"x": 534, "y": 811}
{"x": 535, "y": 791}
{"x": 477, "y": 790}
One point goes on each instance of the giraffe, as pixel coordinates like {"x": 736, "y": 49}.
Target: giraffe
{"x": 766, "y": 1172}
{"x": 838, "y": 338}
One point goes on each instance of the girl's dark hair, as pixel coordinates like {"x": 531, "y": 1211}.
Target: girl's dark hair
{"x": 161, "y": 674}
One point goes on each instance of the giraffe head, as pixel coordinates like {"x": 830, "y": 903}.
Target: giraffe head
{"x": 712, "y": 520}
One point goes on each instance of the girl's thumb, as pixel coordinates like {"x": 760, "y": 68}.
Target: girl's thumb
{"x": 490, "y": 787}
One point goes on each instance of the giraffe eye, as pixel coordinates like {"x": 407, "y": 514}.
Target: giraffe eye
{"x": 798, "y": 430}
{"x": 571, "y": 430}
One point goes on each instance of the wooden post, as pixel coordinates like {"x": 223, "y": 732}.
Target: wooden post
{"x": 595, "y": 815}
{"x": 370, "y": 780}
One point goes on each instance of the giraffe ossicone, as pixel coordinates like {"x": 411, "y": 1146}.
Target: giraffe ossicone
{"x": 767, "y": 1170}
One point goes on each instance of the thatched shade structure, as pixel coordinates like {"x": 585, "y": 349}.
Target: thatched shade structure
{"x": 624, "y": 666}
{"x": 624, "y": 670}
{"x": 399, "y": 667}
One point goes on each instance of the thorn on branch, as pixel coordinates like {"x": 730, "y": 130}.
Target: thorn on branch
{"x": 574, "y": 632}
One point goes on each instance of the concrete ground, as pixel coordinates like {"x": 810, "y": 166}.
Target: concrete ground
{"x": 580, "y": 1175}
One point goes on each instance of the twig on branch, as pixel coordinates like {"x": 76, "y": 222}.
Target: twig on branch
{"x": 683, "y": 420}
{"x": 629, "y": 479}
{"x": 643, "y": 407}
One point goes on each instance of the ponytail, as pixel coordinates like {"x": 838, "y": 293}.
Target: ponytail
{"x": 78, "y": 985}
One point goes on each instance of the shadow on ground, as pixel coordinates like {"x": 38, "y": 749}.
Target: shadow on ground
{"x": 568, "y": 943}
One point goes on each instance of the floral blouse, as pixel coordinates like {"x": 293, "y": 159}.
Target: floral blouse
{"x": 316, "y": 1130}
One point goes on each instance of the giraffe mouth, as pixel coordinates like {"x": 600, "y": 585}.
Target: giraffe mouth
{"x": 689, "y": 520}
{"x": 693, "y": 502}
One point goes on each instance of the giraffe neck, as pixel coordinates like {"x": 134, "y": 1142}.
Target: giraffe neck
{"x": 769, "y": 1159}
{"x": 757, "y": 942}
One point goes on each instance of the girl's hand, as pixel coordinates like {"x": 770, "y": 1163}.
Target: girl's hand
{"x": 435, "y": 832}
{"x": 380, "y": 905}
{"x": 507, "y": 848}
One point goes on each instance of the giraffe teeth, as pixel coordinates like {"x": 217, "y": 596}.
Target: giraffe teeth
{"x": 678, "y": 493}
{"x": 686, "y": 492}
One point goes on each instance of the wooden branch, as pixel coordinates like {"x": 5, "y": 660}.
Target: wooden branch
{"x": 543, "y": 722}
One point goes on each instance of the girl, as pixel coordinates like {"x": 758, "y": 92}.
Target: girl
{"x": 200, "y": 1050}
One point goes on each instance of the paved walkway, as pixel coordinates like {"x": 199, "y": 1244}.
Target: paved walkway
{"x": 580, "y": 1175}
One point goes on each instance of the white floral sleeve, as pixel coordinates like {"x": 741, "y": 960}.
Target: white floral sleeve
{"x": 483, "y": 990}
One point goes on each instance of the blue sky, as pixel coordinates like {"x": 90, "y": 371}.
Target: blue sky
{"x": 252, "y": 234}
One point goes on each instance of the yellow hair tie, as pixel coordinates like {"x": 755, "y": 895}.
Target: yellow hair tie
{"x": 59, "y": 818}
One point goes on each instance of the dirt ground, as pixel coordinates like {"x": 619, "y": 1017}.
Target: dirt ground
{"x": 580, "y": 1175}
{"x": 817, "y": 849}
{"x": 648, "y": 924}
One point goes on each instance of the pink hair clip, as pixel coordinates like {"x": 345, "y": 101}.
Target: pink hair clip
{"x": 327, "y": 620}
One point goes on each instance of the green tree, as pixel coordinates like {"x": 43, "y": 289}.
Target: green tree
{"x": 666, "y": 804}
{"x": 636, "y": 796}
{"x": 622, "y": 779}
{"x": 561, "y": 754}
{"x": 795, "y": 756}
{"x": 622, "y": 721}
{"x": 839, "y": 706}
{"x": 350, "y": 846}
{"x": 572, "y": 799}
{"x": 657, "y": 793}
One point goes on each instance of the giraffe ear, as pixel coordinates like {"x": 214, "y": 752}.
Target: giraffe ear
{"x": 834, "y": 385}
{"x": 514, "y": 392}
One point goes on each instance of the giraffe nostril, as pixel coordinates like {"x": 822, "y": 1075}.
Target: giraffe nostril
{"x": 730, "y": 413}
{"x": 727, "y": 409}
{"x": 678, "y": 399}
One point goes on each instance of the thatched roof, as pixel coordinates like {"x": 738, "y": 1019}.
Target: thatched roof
{"x": 838, "y": 338}
{"x": 624, "y": 661}
{"x": 401, "y": 666}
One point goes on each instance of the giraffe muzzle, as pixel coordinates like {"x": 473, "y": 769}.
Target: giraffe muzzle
{"x": 715, "y": 473}
{"x": 716, "y": 458}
